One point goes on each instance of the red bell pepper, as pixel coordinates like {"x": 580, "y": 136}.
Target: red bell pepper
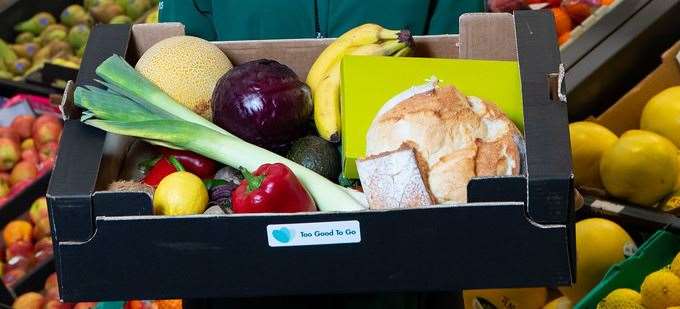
{"x": 164, "y": 166}
{"x": 196, "y": 164}
{"x": 271, "y": 188}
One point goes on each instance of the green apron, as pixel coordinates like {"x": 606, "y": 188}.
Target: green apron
{"x": 285, "y": 19}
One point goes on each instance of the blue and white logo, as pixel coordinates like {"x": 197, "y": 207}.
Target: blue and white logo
{"x": 283, "y": 235}
{"x": 312, "y": 234}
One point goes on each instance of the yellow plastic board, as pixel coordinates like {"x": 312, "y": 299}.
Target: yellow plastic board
{"x": 369, "y": 82}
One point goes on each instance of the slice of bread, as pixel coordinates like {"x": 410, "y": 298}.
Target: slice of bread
{"x": 393, "y": 179}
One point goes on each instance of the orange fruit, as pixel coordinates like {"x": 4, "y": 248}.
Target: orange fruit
{"x": 564, "y": 37}
{"x": 606, "y": 2}
{"x": 168, "y": 304}
{"x": 562, "y": 21}
{"x": 17, "y": 230}
{"x": 578, "y": 11}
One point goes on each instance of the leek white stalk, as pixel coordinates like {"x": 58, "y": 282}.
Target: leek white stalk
{"x": 134, "y": 106}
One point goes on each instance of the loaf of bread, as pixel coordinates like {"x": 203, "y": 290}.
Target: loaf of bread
{"x": 393, "y": 180}
{"x": 457, "y": 138}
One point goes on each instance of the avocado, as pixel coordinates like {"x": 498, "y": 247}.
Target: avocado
{"x": 316, "y": 154}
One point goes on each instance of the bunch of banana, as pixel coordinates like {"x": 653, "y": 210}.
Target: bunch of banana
{"x": 324, "y": 76}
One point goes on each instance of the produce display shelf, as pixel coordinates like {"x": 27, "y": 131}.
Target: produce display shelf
{"x": 139, "y": 256}
{"x": 604, "y": 63}
{"x": 14, "y": 208}
{"x": 8, "y": 88}
{"x": 642, "y": 218}
{"x": 21, "y": 203}
{"x": 35, "y": 279}
{"x": 597, "y": 28}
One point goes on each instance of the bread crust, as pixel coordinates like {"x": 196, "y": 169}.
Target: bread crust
{"x": 455, "y": 139}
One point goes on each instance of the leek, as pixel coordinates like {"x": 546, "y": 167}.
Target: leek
{"x": 134, "y": 106}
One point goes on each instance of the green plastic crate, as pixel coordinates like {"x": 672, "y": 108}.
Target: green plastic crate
{"x": 657, "y": 252}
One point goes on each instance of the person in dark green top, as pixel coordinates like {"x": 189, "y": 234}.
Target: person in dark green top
{"x": 227, "y": 20}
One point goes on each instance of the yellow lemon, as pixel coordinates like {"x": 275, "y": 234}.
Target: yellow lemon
{"x": 180, "y": 193}
{"x": 662, "y": 114}
{"x": 641, "y": 167}
{"x": 562, "y": 302}
{"x": 628, "y": 295}
{"x": 675, "y": 265}
{"x": 660, "y": 290}
{"x": 621, "y": 299}
{"x": 600, "y": 243}
{"x": 525, "y": 298}
{"x": 677, "y": 182}
{"x": 589, "y": 141}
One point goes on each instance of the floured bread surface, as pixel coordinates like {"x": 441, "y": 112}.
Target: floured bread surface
{"x": 457, "y": 138}
{"x": 393, "y": 180}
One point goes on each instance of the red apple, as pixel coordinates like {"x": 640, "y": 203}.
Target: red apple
{"x": 30, "y": 155}
{"x": 46, "y": 165}
{"x": 85, "y": 305}
{"x": 4, "y": 188}
{"x": 42, "y": 229}
{"x": 56, "y": 304}
{"x": 22, "y": 125}
{"x": 46, "y": 118}
{"x": 19, "y": 248}
{"x": 24, "y": 170}
{"x": 30, "y": 300}
{"x": 27, "y": 144}
{"x": 10, "y": 153}
{"x": 46, "y": 129}
{"x": 51, "y": 281}
{"x": 12, "y": 276}
{"x": 19, "y": 262}
{"x": 48, "y": 150}
{"x": 20, "y": 186}
{"x": 44, "y": 250}
{"x": 38, "y": 209}
{"x": 52, "y": 293}
{"x": 9, "y": 133}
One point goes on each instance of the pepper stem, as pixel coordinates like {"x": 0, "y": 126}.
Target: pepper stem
{"x": 178, "y": 166}
{"x": 254, "y": 182}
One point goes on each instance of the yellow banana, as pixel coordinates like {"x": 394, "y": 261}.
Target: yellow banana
{"x": 326, "y": 95}
{"x": 403, "y": 52}
{"x": 327, "y": 107}
{"x": 361, "y": 35}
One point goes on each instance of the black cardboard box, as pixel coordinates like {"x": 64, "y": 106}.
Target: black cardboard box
{"x": 514, "y": 232}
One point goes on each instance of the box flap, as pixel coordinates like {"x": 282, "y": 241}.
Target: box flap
{"x": 146, "y": 35}
{"x": 625, "y": 113}
{"x": 488, "y": 36}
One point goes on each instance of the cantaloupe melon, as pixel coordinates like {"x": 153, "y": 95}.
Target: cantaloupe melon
{"x": 186, "y": 68}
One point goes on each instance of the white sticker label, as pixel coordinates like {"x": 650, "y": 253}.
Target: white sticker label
{"x": 312, "y": 234}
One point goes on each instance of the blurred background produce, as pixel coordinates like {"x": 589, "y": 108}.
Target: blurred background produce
{"x": 61, "y": 39}
{"x": 640, "y": 167}
{"x": 27, "y": 243}
{"x": 569, "y": 14}
{"x": 48, "y": 298}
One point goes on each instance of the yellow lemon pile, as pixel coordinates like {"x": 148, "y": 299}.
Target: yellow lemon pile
{"x": 641, "y": 166}
{"x": 659, "y": 290}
